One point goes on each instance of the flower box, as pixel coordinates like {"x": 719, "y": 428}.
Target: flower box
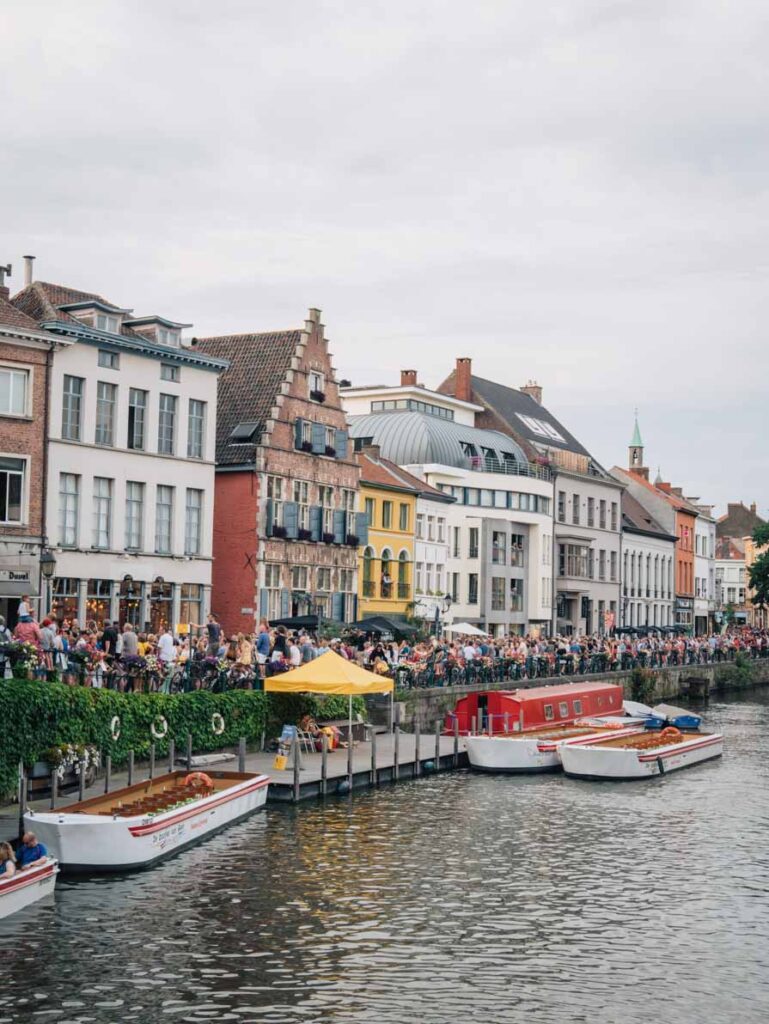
{"x": 351, "y": 540}
{"x": 305, "y": 534}
{"x": 318, "y": 396}
{"x": 328, "y": 538}
{"x": 279, "y": 531}
{"x": 330, "y": 450}
{"x": 306, "y": 446}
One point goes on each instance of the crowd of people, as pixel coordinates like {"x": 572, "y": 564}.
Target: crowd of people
{"x": 121, "y": 657}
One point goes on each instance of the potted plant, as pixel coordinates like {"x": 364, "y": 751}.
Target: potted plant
{"x": 328, "y": 538}
{"x": 330, "y": 450}
{"x": 351, "y": 540}
{"x": 318, "y": 396}
{"x": 306, "y": 446}
{"x": 278, "y": 531}
{"x": 305, "y": 534}
{"x": 67, "y": 760}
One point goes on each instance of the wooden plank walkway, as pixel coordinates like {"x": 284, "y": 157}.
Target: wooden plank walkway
{"x": 372, "y": 765}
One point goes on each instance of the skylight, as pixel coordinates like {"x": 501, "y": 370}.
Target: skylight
{"x": 541, "y": 427}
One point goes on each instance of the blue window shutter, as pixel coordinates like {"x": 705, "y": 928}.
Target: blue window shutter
{"x": 285, "y": 603}
{"x": 361, "y": 528}
{"x": 340, "y": 443}
{"x": 337, "y": 607}
{"x": 318, "y": 438}
{"x": 340, "y": 520}
{"x": 269, "y": 517}
{"x": 316, "y": 522}
{"x": 354, "y": 608}
{"x": 291, "y": 519}
{"x": 298, "y": 433}
{"x": 264, "y": 603}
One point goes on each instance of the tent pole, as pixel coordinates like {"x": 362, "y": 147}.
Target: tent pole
{"x": 349, "y": 744}
{"x": 392, "y": 710}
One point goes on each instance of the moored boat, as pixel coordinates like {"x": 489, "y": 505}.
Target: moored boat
{"x": 639, "y": 756}
{"x": 27, "y": 886}
{"x": 138, "y": 825}
{"x": 536, "y": 750}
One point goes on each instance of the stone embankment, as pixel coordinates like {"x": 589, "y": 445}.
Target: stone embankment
{"x": 679, "y": 682}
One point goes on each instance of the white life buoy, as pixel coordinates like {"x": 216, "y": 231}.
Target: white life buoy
{"x": 114, "y": 728}
{"x": 217, "y": 724}
{"x": 159, "y": 728}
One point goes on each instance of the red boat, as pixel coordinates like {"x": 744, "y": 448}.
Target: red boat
{"x": 521, "y": 710}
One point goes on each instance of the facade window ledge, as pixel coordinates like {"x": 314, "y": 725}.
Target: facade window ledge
{"x": 17, "y": 417}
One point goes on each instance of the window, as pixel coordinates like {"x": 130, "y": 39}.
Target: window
{"x": 387, "y": 515}
{"x": 317, "y": 386}
{"x": 404, "y": 588}
{"x": 549, "y": 716}
{"x": 134, "y": 515}
{"x": 577, "y": 707}
{"x": 164, "y": 517}
{"x": 575, "y": 509}
{"x": 403, "y": 517}
{"x": 98, "y": 602}
{"x": 517, "y": 542}
{"x": 441, "y": 523}
{"x": 562, "y": 506}
{"x": 69, "y": 502}
{"x": 326, "y": 500}
{"x": 498, "y": 547}
{"x": 455, "y": 548}
{"x": 193, "y": 521}
{"x": 455, "y": 587}
{"x": 323, "y": 578}
{"x": 11, "y": 489}
{"x": 420, "y": 527}
{"x": 431, "y": 527}
{"x": 109, "y": 360}
{"x": 497, "y": 593}
{"x": 299, "y": 577}
{"x": 573, "y": 560}
{"x": 195, "y": 427}
{"x": 167, "y": 336}
{"x": 473, "y": 550}
{"x": 591, "y": 511}
{"x": 14, "y": 389}
{"x": 168, "y": 372}
{"x": 419, "y": 571}
{"x": 137, "y": 418}
{"x": 547, "y": 550}
{"x": 429, "y": 569}
{"x": 272, "y": 586}
{"x": 106, "y": 397}
{"x": 190, "y": 602}
{"x": 348, "y": 504}
{"x": 563, "y": 709}
{"x": 472, "y": 588}
{"x": 541, "y": 428}
{"x": 71, "y": 409}
{"x": 613, "y": 567}
{"x": 369, "y": 509}
{"x": 104, "y": 322}
{"x": 614, "y": 515}
{"x": 167, "y": 424}
{"x": 547, "y": 592}
{"x": 516, "y": 595}
{"x": 602, "y": 514}
{"x": 302, "y": 498}
{"x": 102, "y": 511}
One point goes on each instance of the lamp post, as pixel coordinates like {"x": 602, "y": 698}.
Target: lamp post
{"x": 47, "y": 568}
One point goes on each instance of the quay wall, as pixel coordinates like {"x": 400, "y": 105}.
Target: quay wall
{"x": 682, "y": 682}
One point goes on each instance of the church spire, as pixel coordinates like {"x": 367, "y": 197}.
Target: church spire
{"x": 636, "y": 449}
{"x": 636, "y": 441}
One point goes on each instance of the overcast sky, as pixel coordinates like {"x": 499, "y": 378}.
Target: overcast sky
{"x": 575, "y": 192}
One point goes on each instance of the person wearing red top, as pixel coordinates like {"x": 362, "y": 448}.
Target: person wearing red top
{"x": 28, "y": 633}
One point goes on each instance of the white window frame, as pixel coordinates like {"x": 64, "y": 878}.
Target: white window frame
{"x": 102, "y": 514}
{"x": 198, "y": 449}
{"x": 163, "y": 415}
{"x": 69, "y": 511}
{"x": 130, "y": 502}
{"x": 28, "y": 373}
{"x": 108, "y": 440}
{"x": 23, "y": 504}
{"x": 193, "y": 521}
{"x": 160, "y": 549}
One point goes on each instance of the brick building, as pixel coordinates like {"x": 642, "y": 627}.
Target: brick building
{"x": 286, "y": 520}
{"x": 25, "y": 355}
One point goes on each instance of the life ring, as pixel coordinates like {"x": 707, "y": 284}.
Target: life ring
{"x": 114, "y": 728}
{"x": 217, "y": 724}
{"x": 198, "y": 780}
{"x": 159, "y": 731}
{"x": 671, "y": 733}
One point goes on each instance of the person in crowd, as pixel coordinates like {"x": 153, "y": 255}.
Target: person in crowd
{"x": 306, "y": 648}
{"x": 130, "y": 642}
{"x": 31, "y": 853}
{"x": 166, "y": 649}
{"x": 109, "y": 638}
{"x": 28, "y": 632}
{"x": 7, "y": 861}
{"x": 263, "y": 646}
{"x": 24, "y": 611}
{"x": 213, "y": 634}
{"x": 294, "y": 653}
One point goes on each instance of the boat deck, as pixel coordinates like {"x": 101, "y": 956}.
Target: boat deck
{"x": 157, "y": 794}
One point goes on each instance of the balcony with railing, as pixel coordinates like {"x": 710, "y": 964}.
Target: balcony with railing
{"x": 404, "y": 591}
{"x": 369, "y": 588}
{"x": 508, "y": 467}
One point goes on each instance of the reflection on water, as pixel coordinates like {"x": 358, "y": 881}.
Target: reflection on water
{"x": 454, "y": 898}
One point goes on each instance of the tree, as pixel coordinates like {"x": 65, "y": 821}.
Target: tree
{"x": 759, "y": 570}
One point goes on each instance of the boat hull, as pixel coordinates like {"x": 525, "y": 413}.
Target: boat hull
{"x": 27, "y": 887}
{"x": 91, "y": 843}
{"x": 599, "y": 763}
{"x": 523, "y": 755}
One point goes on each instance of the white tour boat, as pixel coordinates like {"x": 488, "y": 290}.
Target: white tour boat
{"x": 639, "y": 756}
{"x": 141, "y": 824}
{"x": 27, "y": 886}
{"x": 537, "y": 749}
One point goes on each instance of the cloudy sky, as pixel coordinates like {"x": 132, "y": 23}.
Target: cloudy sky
{"x": 570, "y": 191}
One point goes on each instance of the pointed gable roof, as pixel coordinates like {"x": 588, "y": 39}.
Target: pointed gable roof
{"x": 259, "y": 363}
{"x": 638, "y": 519}
{"x": 10, "y": 316}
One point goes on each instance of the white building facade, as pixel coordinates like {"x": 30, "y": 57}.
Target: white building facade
{"x": 431, "y": 556}
{"x": 704, "y": 569}
{"x": 130, "y": 482}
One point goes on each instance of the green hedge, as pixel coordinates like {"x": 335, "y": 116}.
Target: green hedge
{"x": 36, "y": 715}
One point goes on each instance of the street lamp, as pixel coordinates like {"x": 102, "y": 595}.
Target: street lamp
{"x": 47, "y": 569}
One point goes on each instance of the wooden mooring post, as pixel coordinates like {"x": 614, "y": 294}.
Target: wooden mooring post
{"x": 297, "y": 768}
{"x": 81, "y": 780}
{"x": 22, "y": 797}
{"x": 152, "y": 761}
{"x": 396, "y": 741}
{"x": 130, "y": 767}
{"x": 54, "y": 788}
{"x": 438, "y": 745}
{"x": 323, "y": 763}
{"x": 374, "y": 773}
{"x": 456, "y": 742}
{"x": 171, "y": 755}
{"x": 417, "y": 759}
{"x": 189, "y": 751}
{"x": 107, "y": 772}
{"x": 242, "y": 754}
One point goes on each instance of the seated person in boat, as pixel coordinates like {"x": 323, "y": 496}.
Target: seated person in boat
{"x": 7, "y": 861}
{"x": 31, "y": 853}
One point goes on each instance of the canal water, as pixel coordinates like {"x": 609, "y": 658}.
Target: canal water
{"x": 454, "y": 898}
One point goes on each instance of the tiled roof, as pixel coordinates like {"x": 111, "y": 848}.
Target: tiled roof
{"x": 425, "y": 490}
{"x": 636, "y": 517}
{"x": 739, "y": 521}
{"x": 381, "y": 472}
{"x": 41, "y": 300}
{"x": 10, "y": 316}
{"x": 681, "y": 504}
{"x": 248, "y": 389}
{"x": 731, "y": 548}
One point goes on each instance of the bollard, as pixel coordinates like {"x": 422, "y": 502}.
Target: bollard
{"x": 130, "y": 767}
{"x": 506, "y": 724}
{"x": 323, "y": 763}
{"x": 349, "y": 759}
{"x": 242, "y": 754}
{"x": 417, "y": 761}
{"x": 81, "y": 780}
{"x": 456, "y": 742}
{"x": 152, "y": 761}
{"x": 473, "y": 724}
{"x": 54, "y": 787}
{"x": 438, "y": 745}
{"x": 374, "y": 775}
{"x": 107, "y": 772}
{"x": 396, "y": 746}
{"x": 297, "y": 766}
{"x": 171, "y": 755}
{"x": 189, "y": 751}
{"x": 22, "y": 797}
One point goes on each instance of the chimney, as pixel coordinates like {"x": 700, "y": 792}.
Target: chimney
{"x": 408, "y": 378}
{"x": 28, "y": 261}
{"x": 754, "y": 508}
{"x": 678, "y": 491}
{"x": 462, "y": 384}
{"x": 4, "y": 290}
{"x": 533, "y": 390}
{"x": 372, "y": 450}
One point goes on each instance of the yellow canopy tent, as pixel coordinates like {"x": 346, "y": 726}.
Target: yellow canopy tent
{"x": 331, "y": 673}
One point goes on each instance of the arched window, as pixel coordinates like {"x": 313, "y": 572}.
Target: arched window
{"x": 386, "y": 574}
{"x": 403, "y": 575}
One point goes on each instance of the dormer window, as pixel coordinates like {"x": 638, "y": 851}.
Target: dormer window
{"x": 158, "y": 330}
{"x": 105, "y": 322}
{"x": 166, "y": 336}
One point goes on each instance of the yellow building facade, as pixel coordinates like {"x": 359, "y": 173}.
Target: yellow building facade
{"x": 757, "y": 617}
{"x": 386, "y": 561}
